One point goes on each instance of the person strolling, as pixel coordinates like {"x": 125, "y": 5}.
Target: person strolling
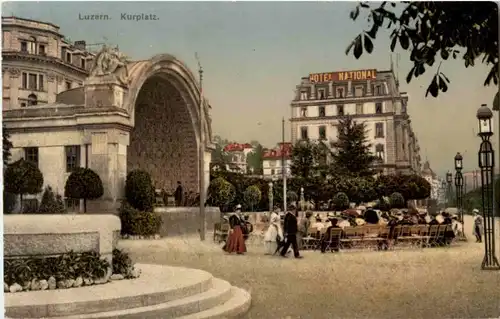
{"x": 274, "y": 233}
{"x": 235, "y": 241}
{"x": 291, "y": 228}
{"x": 478, "y": 226}
{"x": 304, "y": 225}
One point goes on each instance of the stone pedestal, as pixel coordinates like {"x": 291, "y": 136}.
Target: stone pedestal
{"x": 105, "y": 91}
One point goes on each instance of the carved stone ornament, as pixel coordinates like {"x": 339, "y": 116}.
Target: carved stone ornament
{"x": 59, "y": 79}
{"x": 51, "y": 77}
{"x": 110, "y": 61}
{"x": 14, "y": 72}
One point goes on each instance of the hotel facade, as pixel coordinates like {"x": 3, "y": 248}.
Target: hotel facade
{"x": 369, "y": 96}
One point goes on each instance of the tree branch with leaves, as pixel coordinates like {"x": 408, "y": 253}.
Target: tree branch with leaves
{"x": 465, "y": 31}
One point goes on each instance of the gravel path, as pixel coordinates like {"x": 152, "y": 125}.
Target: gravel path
{"x": 428, "y": 283}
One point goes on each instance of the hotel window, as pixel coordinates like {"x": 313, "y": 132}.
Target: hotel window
{"x": 273, "y": 171}
{"x": 378, "y": 90}
{"x": 68, "y": 57}
{"x": 24, "y": 80}
{"x": 31, "y": 154}
{"x": 322, "y": 132}
{"x": 24, "y": 46}
{"x": 63, "y": 53}
{"x": 359, "y": 108}
{"x": 23, "y": 104}
{"x": 32, "y": 100}
{"x": 358, "y": 91}
{"x": 72, "y": 157}
{"x": 303, "y": 133}
{"x": 379, "y": 152}
{"x": 321, "y": 111}
{"x": 321, "y": 94}
{"x": 378, "y": 108}
{"x": 340, "y": 92}
{"x": 340, "y": 110}
{"x": 379, "y": 130}
{"x": 41, "y": 49}
{"x": 303, "y": 111}
{"x": 32, "y": 45}
{"x": 82, "y": 63}
{"x": 68, "y": 85}
{"x": 32, "y": 81}
{"x": 40, "y": 82}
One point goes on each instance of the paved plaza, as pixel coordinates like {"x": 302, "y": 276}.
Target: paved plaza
{"x": 428, "y": 283}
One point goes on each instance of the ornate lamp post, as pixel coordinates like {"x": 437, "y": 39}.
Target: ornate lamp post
{"x": 449, "y": 179}
{"x": 302, "y": 200}
{"x": 270, "y": 196}
{"x": 443, "y": 193}
{"x": 459, "y": 188}
{"x": 486, "y": 159}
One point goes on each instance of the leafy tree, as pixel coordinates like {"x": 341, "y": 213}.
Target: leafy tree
{"x": 358, "y": 189}
{"x": 397, "y": 200}
{"x": 340, "y": 202}
{"x": 220, "y": 158}
{"x": 83, "y": 183}
{"x": 352, "y": 154}
{"x": 291, "y": 196}
{"x": 221, "y": 192}
{"x": 6, "y": 145}
{"x": 23, "y": 177}
{"x": 433, "y": 30}
{"x": 254, "y": 160}
{"x": 309, "y": 159}
{"x": 139, "y": 190}
{"x": 252, "y": 196}
{"x": 51, "y": 203}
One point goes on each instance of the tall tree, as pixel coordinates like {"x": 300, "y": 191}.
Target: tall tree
{"x": 309, "y": 159}
{"x": 429, "y": 30}
{"x": 6, "y": 145}
{"x": 352, "y": 155}
{"x": 254, "y": 160}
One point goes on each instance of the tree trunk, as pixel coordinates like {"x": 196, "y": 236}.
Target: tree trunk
{"x": 84, "y": 205}
{"x": 20, "y": 203}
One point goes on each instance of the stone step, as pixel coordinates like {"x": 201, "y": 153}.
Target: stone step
{"x": 238, "y": 304}
{"x": 156, "y": 285}
{"x": 219, "y": 294}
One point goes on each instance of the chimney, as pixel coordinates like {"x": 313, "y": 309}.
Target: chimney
{"x": 81, "y": 45}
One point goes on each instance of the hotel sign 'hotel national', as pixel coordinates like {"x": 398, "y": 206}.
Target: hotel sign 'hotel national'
{"x": 343, "y": 76}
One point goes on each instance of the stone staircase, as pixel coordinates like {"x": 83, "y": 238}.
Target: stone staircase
{"x": 161, "y": 292}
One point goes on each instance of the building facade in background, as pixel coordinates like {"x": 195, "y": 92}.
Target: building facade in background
{"x": 369, "y": 96}
{"x": 438, "y": 192}
{"x": 38, "y": 63}
{"x": 238, "y": 157}
{"x": 273, "y": 160}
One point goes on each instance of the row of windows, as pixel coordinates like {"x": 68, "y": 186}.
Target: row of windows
{"x": 31, "y": 46}
{"x": 72, "y": 153}
{"x": 35, "y": 82}
{"x": 304, "y": 131}
{"x": 340, "y": 110}
{"x": 340, "y": 92}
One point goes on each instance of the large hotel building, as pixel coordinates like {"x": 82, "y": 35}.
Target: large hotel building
{"x": 369, "y": 96}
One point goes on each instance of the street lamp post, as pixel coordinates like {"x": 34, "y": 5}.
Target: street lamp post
{"x": 302, "y": 199}
{"x": 443, "y": 194}
{"x": 270, "y": 196}
{"x": 486, "y": 158}
{"x": 449, "y": 179}
{"x": 459, "y": 188}
{"x": 201, "y": 154}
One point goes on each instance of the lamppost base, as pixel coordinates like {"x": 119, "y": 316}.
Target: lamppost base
{"x": 494, "y": 266}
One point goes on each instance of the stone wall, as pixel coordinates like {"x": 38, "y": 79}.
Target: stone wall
{"x": 185, "y": 220}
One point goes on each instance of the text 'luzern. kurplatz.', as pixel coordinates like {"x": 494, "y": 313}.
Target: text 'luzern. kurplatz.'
{"x": 343, "y": 76}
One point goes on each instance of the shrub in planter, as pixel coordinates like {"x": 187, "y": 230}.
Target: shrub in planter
{"x": 51, "y": 203}
{"x": 23, "y": 177}
{"x": 139, "y": 190}
{"x": 83, "y": 183}
{"x": 136, "y": 222}
{"x": 397, "y": 200}
{"x": 221, "y": 192}
{"x": 122, "y": 264}
{"x": 340, "y": 201}
{"x": 252, "y": 196}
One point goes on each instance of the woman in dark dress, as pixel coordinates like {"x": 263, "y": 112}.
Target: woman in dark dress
{"x": 235, "y": 241}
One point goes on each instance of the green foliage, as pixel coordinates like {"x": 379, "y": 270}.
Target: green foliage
{"x": 252, "y": 195}
{"x": 309, "y": 159}
{"x": 433, "y": 30}
{"x": 340, "y": 201}
{"x": 122, "y": 264}
{"x": 9, "y": 202}
{"x": 291, "y": 196}
{"x": 83, "y": 183}
{"x": 357, "y": 189}
{"x": 67, "y": 266}
{"x": 137, "y": 222}
{"x": 410, "y": 186}
{"x": 23, "y": 177}
{"x": 51, "y": 203}
{"x": 221, "y": 192}
{"x": 397, "y": 200}
{"x": 352, "y": 155}
{"x": 6, "y": 145}
{"x": 254, "y": 160}
{"x": 139, "y": 190}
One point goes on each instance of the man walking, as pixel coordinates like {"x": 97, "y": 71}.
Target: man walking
{"x": 178, "y": 194}
{"x": 290, "y": 229}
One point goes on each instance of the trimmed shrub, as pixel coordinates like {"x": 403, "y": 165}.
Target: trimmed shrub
{"x": 83, "y": 183}
{"x": 9, "y": 202}
{"x": 252, "y": 196}
{"x": 51, "y": 203}
{"x": 122, "y": 264}
{"x": 139, "y": 190}
{"x": 136, "y": 222}
{"x": 23, "y": 177}
{"x": 397, "y": 200}
{"x": 340, "y": 201}
{"x": 221, "y": 192}
{"x": 292, "y": 196}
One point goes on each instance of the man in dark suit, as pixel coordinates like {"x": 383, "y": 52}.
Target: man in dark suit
{"x": 178, "y": 194}
{"x": 290, "y": 230}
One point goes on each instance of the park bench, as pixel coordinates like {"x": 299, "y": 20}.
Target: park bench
{"x": 221, "y": 231}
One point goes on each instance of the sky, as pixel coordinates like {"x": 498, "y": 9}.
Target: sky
{"x": 255, "y": 53}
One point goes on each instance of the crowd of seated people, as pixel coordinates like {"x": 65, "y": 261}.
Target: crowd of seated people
{"x": 360, "y": 217}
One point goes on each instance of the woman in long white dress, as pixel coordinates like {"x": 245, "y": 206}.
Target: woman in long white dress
{"x": 273, "y": 232}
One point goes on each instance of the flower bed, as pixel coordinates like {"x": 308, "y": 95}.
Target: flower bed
{"x": 69, "y": 270}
